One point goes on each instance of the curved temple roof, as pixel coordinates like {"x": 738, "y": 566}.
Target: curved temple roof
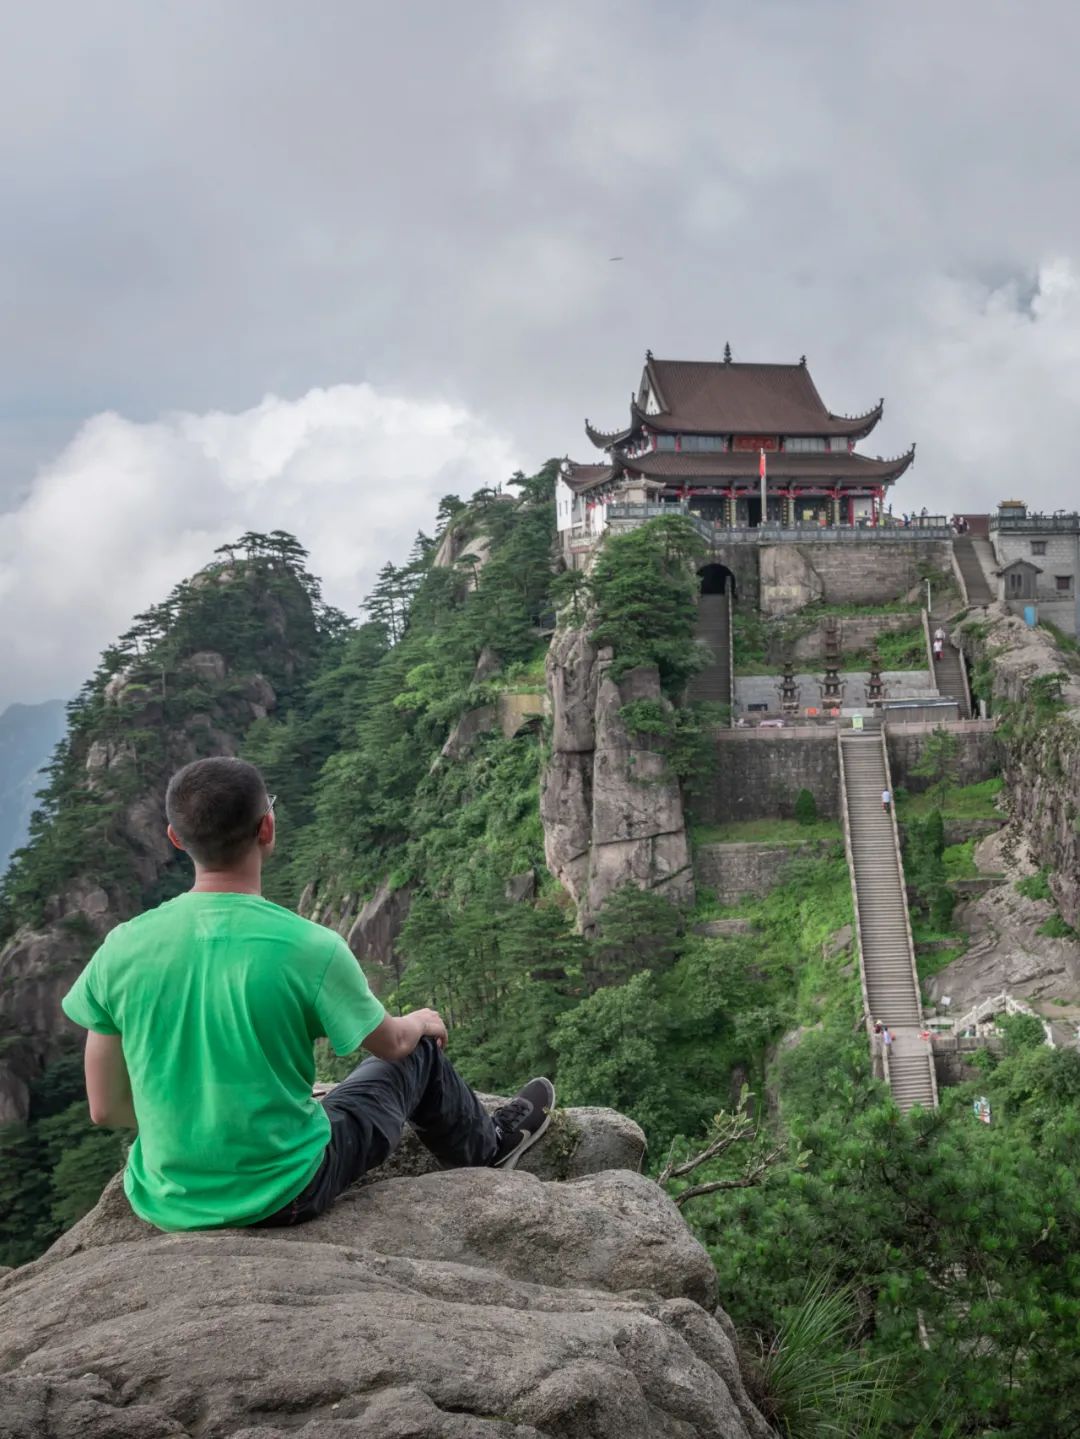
{"x": 711, "y": 396}
{"x": 670, "y": 466}
{"x": 717, "y": 397}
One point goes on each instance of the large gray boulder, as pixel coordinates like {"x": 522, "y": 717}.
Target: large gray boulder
{"x": 454, "y": 1305}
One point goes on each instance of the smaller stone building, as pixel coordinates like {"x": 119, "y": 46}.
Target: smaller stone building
{"x": 1038, "y": 563}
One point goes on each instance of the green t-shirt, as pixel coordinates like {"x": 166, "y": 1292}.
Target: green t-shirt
{"x": 218, "y": 999}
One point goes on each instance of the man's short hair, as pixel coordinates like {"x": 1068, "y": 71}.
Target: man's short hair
{"x": 215, "y": 806}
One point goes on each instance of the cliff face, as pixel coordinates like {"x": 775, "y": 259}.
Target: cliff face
{"x": 442, "y": 1306}
{"x": 102, "y": 855}
{"x": 39, "y": 962}
{"x": 611, "y": 808}
{"x": 1041, "y": 759}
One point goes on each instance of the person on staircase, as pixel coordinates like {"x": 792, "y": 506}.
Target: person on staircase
{"x": 886, "y": 800}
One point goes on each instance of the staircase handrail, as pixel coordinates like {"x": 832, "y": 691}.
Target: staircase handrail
{"x": 993, "y": 1005}
{"x": 929, "y": 647}
{"x": 730, "y": 591}
{"x": 958, "y": 572}
{"x": 962, "y": 662}
{"x": 894, "y": 829}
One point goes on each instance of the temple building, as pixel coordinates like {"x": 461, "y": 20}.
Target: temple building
{"x": 697, "y": 435}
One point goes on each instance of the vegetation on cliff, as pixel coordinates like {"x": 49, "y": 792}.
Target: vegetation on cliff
{"x": 243, "y": 638}
{"x": 406, "y": 766}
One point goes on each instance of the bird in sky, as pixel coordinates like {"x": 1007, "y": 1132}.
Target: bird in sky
{"x": 613, "y": 258}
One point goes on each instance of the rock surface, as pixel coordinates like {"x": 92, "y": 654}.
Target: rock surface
{"x": 789, "y": 582}
{"x": 1006, "y": 950}
{"x": 38, "y": 964}
{"x": 1042, "y": 767}
{"x": 373, "y": 935}
{"x": 611, "y": 808}
{"x": 451, "y": 1305}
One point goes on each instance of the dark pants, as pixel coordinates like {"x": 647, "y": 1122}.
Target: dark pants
{"x": 368, "y": 1112}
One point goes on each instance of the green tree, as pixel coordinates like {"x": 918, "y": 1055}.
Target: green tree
{"x": 637, "y": 929}
{"x": 938, "y": 763}
{"x": 644, "y": 591}
{"x": 610, "y": 1050}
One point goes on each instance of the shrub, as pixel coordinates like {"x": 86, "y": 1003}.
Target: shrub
{"x": 805, "y": 807}
{"x": 812, "y": 1380}
{"x": 1035, "y": 886}
{"x": 1056, "y": 928}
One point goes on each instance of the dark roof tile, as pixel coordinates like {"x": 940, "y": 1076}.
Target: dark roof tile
{"x": 718, "y": 397}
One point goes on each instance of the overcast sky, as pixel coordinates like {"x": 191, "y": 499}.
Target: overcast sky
{"x": 310, "y": 266}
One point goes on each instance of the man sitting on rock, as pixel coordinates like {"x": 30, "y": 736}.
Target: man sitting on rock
{"x": 202, "y": 1014}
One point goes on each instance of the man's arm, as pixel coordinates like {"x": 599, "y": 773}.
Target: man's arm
{"x": 397, "y": 1037}
{"x": 108, "y": 1087}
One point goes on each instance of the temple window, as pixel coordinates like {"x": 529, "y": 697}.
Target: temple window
{"x": 1038, "y": 547}
{"x": 839, "y": 445}
{"x": 704, "y": 442}
{"x": 804, "y": 444}
{"x": 1064, "y": 584}
{"x": 665, "y": 442}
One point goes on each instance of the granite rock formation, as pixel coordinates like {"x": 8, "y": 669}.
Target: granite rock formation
{"x": 1041, "y": 767}
{"x": 451, "y": 1305}
{"x": 611, "y": 808}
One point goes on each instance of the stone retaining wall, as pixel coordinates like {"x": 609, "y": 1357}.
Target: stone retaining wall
{"x": 736, "y": 870}
{"x": 759, "y": 775}
{"x": 978, "y": 756}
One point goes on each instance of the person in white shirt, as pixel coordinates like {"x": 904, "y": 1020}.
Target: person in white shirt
{"x": 886, "y": 800}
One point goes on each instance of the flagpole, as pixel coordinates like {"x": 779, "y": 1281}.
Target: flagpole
{"x": 764, "y": 502}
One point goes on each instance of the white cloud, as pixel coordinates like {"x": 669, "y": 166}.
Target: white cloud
{"x": 127, "y": 509}
{"x": 992, "y": 388}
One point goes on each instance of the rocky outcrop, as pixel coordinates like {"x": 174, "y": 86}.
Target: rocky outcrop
{"x": 1006, "y": 948}
{"x": 458, "y": 541}
{"x": 789, "y": 582}
{"x": 373, "y": 936}
{"x": 611, "y": 808}
{"x": 451, "y": 1305}
{"x": 518, "y": 710}
{"x": 1041, "y": 762}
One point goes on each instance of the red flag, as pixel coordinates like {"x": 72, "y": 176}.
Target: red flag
{"x": 761, "y": 465}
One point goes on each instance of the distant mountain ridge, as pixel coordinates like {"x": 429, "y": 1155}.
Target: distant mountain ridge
{"x": 28, "y": 736}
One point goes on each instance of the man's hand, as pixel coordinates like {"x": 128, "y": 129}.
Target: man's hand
{"x": 397, "y": 1037}
{"x": 430, "y": 1023}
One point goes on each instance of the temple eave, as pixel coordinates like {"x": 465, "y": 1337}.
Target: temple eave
{"x": 606, "y": 439}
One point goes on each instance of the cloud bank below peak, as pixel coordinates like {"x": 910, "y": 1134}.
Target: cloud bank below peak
{"x": 127, "y": 509}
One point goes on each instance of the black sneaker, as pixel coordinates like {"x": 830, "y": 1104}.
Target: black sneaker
{"x": 519, "y": 1124}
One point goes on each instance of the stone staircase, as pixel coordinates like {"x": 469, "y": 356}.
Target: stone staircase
{"x": 713, "y": 684}
{"x": 888, "y": 959}
{"x": 947, "y": 672}
{"x": 976, "y": 586}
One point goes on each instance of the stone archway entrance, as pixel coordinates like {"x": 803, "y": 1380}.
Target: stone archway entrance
{"x": 717, "y": 580}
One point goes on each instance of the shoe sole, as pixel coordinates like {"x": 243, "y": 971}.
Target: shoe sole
{"x": 510, "y": 1162}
